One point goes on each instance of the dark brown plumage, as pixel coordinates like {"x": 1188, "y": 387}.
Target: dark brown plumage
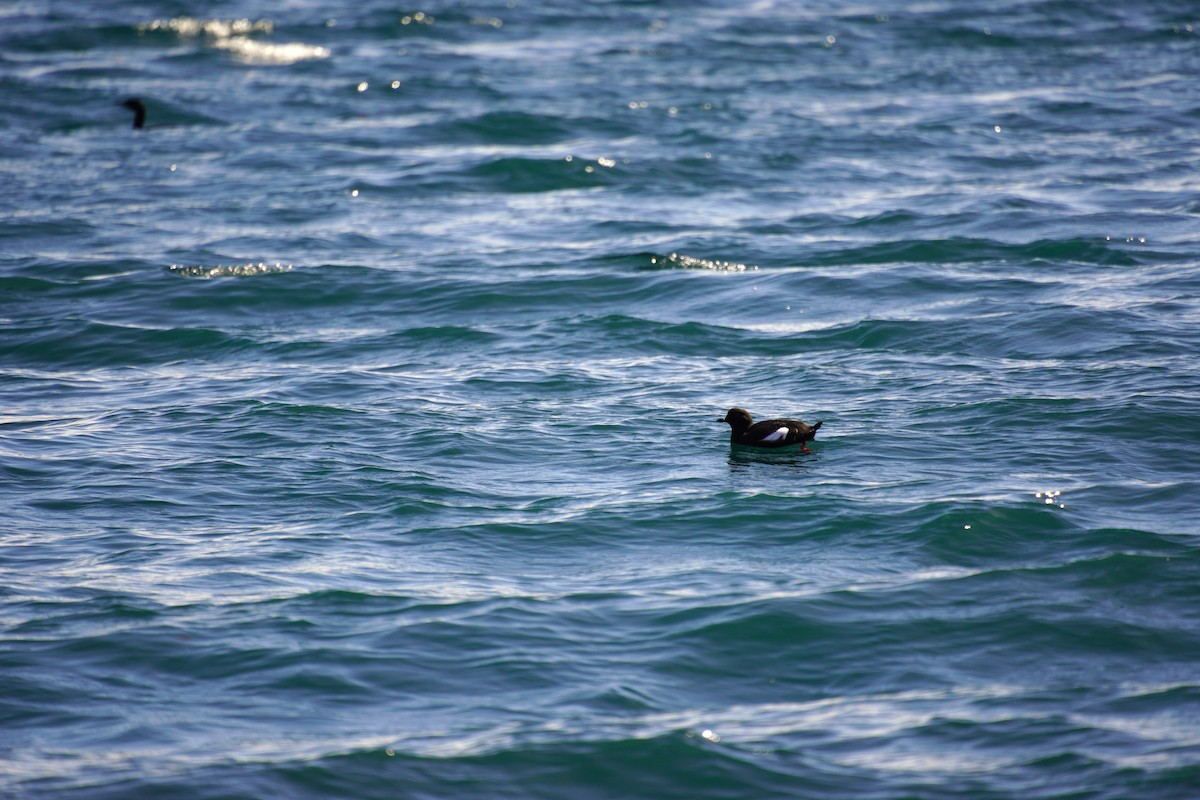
{"x": 768, "y": 432}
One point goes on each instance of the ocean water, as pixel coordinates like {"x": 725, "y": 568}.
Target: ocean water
{"x": 359, "y": 439}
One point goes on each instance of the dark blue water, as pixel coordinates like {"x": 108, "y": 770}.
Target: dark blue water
{"x": 359, "y": 439}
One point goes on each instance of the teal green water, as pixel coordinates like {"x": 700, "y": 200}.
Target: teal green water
{"x": 359, "y": 428}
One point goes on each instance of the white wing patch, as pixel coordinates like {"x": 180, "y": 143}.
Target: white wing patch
{"x": 778, "y": 435}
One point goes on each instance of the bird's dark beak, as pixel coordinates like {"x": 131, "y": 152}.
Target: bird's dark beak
{"x": 722, "y": 419}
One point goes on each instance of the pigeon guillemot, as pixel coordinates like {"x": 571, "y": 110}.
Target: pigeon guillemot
{"x": 139, "y": 112}
{"x": 768, "y": 432}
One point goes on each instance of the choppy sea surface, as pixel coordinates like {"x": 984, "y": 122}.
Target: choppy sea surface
{"x": 359, "y": 440}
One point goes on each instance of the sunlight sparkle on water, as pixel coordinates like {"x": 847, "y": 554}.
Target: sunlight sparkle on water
{"x": 1050, "y": 497}
{"x": 690, "y": 262}
{"x": 255, "y": 52}
{"x": 233, "y": 35}
{"x": 229, "y": 270}
{"x": 219, "y": 28}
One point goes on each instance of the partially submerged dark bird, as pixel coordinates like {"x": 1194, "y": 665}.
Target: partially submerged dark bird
{"x": 139, "y": 112}
{"x": 768, "y": 432}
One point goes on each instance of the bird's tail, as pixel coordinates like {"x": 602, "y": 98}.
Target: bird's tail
{"x": 817, "y": 425}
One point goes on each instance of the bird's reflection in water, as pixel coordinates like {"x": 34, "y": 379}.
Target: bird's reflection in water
{"x": 742, "y": 459}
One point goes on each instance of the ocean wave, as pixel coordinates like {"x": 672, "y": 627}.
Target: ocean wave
{"x": 960, "y": 250}
{"x": 445, "y": 510}
{"x": 992, "y": 736}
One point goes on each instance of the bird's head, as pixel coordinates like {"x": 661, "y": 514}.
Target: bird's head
{"x": 738, "y": 418}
